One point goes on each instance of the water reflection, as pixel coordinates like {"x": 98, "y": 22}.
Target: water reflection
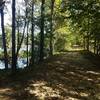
{"x": 21, "y": 63}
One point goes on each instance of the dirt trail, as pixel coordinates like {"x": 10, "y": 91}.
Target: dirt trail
{"x": 68, "y": 76}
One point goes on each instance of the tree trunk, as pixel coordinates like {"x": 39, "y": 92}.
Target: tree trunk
{"x": 27, "y": 43}
{"x": 13, "y": 36}
{"x": 42, "y": 32}
{"x": 32, "y": 33}
{"x": 95, "y": 46}
{"x": 51, "y": 28}
{"x": 88, "y": 43}
{"x": 88, "y": 32}
{"x": 22, "y": 38}
{"x": 18, "y": 29}
{"x": 4, "y": 39}
{"x": 84, "y": 42}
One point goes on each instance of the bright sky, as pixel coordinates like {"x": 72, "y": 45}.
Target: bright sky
{"x": 8, "y": 11}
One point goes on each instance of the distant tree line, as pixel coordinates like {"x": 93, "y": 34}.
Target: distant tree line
{"x": 50, "y": 25}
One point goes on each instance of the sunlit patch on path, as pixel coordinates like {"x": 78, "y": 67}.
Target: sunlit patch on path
{"x": 67, "y": 76}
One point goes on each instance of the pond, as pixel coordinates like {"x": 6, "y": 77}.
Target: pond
{"x": 22, "y": 63}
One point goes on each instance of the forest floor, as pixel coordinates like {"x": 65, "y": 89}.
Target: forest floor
{"x": 72, "y": 75}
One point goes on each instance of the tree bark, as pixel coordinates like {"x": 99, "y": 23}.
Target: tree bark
{"x": 95, "y": 46}
{"x": 13, "y": 36}
{"x": 4, "y": 39}
{"x": 84, "y": 42}
{"x": 42, "y": 32}
{"x": 27, "y": 43}
{"x": 88, "y": 43}
{"x": 22, "y": 38}
{"x": 51, "y": 28}
{"x": 32, "y": 34}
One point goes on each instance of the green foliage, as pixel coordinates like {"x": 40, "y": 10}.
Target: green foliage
{"x": 66, "y": 23}
{"x": 8, "y": 36}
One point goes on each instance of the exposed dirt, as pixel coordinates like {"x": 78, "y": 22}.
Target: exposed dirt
{"x": 67, "y": 76}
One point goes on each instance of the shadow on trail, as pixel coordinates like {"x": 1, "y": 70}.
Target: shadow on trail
{"x": 67, "y": 76}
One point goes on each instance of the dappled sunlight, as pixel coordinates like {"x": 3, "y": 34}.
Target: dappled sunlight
{"x": 74, "y": 75}
{"x": 5, "y": 93}
{"x": 49, "y": 49}
{"x": 84, "y": 94}
{"x": 5, "y": 90}
{"x": 93, "y": 72}
{"x": 42, "y": 91}
{"x": 71, "y": 98}
{"x": 60, "y": 78}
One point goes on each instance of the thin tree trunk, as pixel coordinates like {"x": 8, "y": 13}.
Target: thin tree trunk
{"x": 18, "y": 37}
{"x": 88, "y": 33}
{"x": 18, "y": 30}
{"x": 84, "y": 42}
{"x": 32, "y": 33}
{"x": 51, "y": 28}
{"x": 21, "y": 41}
{"x": 13, "y": 36}
{"x": 27, "y": 43}
{"x": 22, "y": 38}
{"x": 4, "y": 39}
{"x": 42, "y": 32}
{"x": 88, "y": 37}
{"x": 95, "y": 46}
{"x": 88, "y": 43}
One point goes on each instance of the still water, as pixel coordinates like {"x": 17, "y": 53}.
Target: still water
{"x": 21, "y": 63}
